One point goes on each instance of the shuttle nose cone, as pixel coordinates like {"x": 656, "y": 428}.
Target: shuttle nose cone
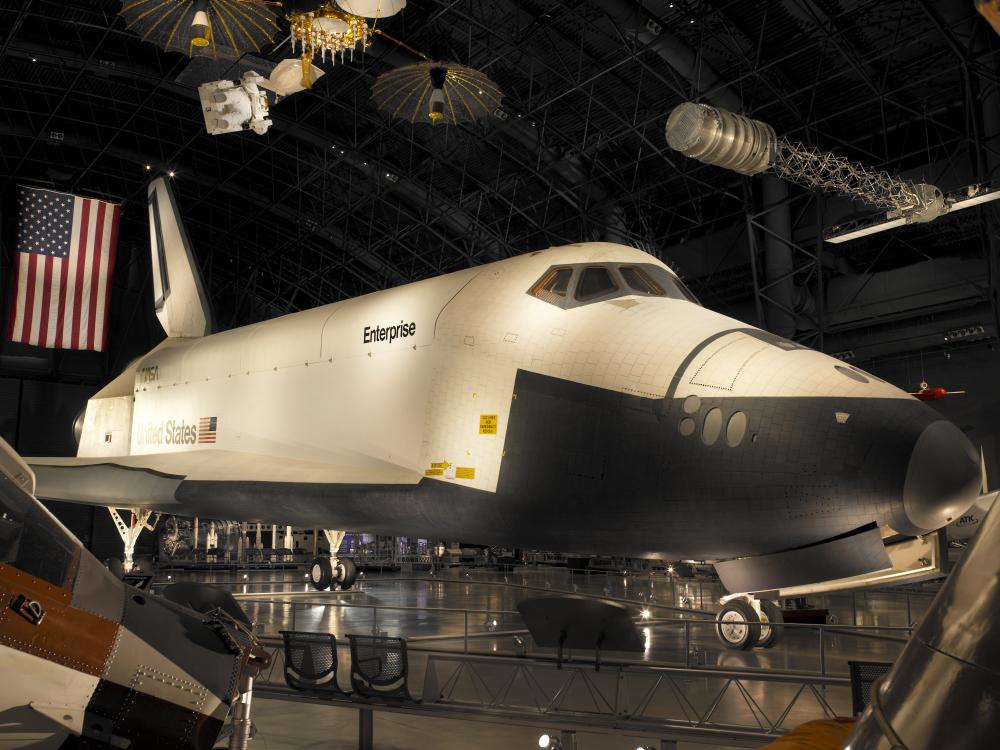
{"x": 942, "y": 480}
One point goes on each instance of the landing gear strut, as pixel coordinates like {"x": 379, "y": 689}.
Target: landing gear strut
{"x": 745, "y": 622}
{"x": 327, "y": 570}
{"x": 129, "y": 532}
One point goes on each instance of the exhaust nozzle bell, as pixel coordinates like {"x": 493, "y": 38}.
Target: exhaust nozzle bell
{"x": 715, "y": 136}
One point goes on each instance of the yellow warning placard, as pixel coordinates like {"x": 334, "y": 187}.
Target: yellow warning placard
{"x": 434, "y": 472}
{"x": 440, "y": 465}
{"x": 488, "y": 424}
{"x": 465, "y": 472}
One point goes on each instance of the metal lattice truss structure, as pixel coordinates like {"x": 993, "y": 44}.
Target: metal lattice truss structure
{"x": 821, "y": 170}
{"x": 338, "y": 200}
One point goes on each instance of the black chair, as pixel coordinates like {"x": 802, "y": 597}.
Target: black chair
{"x": 311, "y": 662}
{"x": 864, "y": 674}
{"x": 379, "y": 667}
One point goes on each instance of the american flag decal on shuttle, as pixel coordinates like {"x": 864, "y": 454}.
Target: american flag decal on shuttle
{"x": 207, "y": 427}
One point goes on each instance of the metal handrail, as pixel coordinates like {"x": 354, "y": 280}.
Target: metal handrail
{"x": 858, "y": 631}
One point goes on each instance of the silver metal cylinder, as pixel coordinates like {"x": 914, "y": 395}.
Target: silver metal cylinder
{"x": 715, "y": 136}
{"x": 944, "y": 690}
{"x": 241, "y": 724}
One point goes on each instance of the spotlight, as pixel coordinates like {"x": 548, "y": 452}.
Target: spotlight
{"x": 149, "y": 167}
{"x": 245, "y": 576}
{"x": 171, "y": 173}
{"x": 968, "y": 332}
{"x": 34, "y": 59}
{"x": 548, "y": 742}
{"x": 646, "y": 614}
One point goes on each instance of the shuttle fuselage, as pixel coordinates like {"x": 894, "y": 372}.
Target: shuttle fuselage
{"x": 516, "y": 403}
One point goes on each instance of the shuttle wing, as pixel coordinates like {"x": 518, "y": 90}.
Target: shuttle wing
{"x": 152, "y": 480}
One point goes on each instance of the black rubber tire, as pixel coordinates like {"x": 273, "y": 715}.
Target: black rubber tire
{"x": 346, "y": 573}
{"x": 321, "y": 573}
{"x": 771, "y": 632}
{"x": 745, "y": 633}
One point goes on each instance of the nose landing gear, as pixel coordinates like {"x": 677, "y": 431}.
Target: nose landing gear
{"x": 327, "y": 570}
{"x": 745, "y": 622}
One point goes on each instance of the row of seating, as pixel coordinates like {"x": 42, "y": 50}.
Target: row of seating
{"x": 379, "y": 666}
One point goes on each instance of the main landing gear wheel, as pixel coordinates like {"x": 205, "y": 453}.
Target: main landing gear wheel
{"x": 738, "y": 625}
{"x": 771, "y": 621}
{"x": 346, "y": 573}
{"x": 321, "y": 573}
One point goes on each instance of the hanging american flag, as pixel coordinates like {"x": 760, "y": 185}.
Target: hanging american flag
{"x": 65, "y": 258}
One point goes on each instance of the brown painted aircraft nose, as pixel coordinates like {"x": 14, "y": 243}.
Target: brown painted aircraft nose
{"x": 942, "y": 480}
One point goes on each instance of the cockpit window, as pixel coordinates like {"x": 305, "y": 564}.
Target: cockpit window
{"x": 640, "y": 281}
{"x": 553, "y": 286}
{"x": 595, "y": 281}
{"x": 32, "y": 540}
{"x": 587, "y": 283}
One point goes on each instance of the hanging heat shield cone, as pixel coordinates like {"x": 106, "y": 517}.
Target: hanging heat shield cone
{"x": 436, "y": 93}
{"x": 193, "y": 26}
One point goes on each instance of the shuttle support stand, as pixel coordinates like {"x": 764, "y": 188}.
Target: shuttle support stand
{"x": 327, "y": 570}
{"x": 129, "y": 532}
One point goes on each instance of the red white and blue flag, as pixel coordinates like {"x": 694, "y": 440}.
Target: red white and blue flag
{"x": 208, "y": 428}
{"x": 63, "y": 266}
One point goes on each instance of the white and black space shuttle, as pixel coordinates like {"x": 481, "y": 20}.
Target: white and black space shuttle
{"x": 577, "y": 398}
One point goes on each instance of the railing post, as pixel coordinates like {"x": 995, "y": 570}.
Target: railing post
{"x": 466, "y": 628}
{"x": 366, "y": 729}
{"x": 374, "y": 620}
{"x": 687, "y": 643}
{"x": 822, "y": 652}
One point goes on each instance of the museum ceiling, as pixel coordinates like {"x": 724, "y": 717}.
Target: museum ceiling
{"x": 338, "y": 199}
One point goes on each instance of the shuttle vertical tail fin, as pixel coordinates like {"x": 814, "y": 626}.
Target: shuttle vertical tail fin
{"x": 178, "y": 292}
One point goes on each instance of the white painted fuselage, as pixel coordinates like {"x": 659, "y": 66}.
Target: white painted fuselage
{"x": 417, "y": 385}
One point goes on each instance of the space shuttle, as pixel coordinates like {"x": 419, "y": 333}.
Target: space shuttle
{"x": 89, "y": 661}
{"x": 577, "y": 398}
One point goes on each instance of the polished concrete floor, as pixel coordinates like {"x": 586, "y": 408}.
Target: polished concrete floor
{"x": 434, "y": 613}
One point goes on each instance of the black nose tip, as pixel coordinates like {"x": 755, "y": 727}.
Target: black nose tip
{"x": 942, "y": 480}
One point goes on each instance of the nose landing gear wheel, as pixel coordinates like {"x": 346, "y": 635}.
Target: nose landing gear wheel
{"x": 771, "y": 621}
{"x": 346, "y": 573}
{"x": 321, "y": 573}
{"x": 738, "y": 625}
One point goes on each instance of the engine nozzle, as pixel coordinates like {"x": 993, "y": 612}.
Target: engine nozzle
{"x": 715, "y": 136}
